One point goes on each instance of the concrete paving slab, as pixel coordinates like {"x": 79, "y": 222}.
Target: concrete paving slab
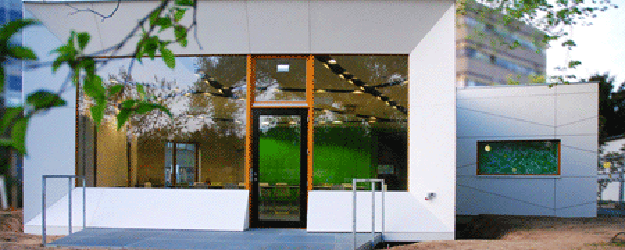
{"x": 253, "y": 239}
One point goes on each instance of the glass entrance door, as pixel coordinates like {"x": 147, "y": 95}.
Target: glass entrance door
{"x": 279, "y": 170}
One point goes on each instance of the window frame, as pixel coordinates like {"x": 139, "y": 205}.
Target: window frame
{"x": 173, "y": 159}
{"x": 478, "y": 144}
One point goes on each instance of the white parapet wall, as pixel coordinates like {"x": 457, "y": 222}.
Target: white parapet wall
{"x": 568, "y": 113}
{"x": 200, "y": 209}
{"x": 405, "y": 218}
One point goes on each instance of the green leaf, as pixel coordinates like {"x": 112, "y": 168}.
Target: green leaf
{"x": 181, "y": 35}
{"x": 179, "y": 14}
{"x": 123, "y": 115}
{"x": 128, "y": 104}
{"x": 6, "y": 142}
{"x": 141, "y": 92}
{"x": 94, "y": 89}
{"x": 83, "y": 40}
{"x": 573, "y": 64}
{"x": 8, "y": 117}
{"x": 43, "y": 99}
{"x": 22, "y": 53}
{"x": 11, "y": 28}
{"x": 150, "y": 46}
{"x": 97, "y": 114}
{"x": 153, "y": 16}
{"x": 144, "y": 107}
{"x": 168, "y": 58}
{"x": 187, "y": 3}
{"x": 1, "y": 78}
{"x": 165, "y": 23}
{"x": 113, "y": 90}
{"x": 18, "y": 135}
{"x": 56, "y": 64}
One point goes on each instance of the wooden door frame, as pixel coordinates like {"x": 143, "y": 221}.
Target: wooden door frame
{"x": 255, "y": 222}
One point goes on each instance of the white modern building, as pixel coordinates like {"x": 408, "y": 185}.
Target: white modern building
{"x": 282, "y": 105}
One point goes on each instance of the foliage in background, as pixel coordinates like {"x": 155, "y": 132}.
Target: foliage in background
{"x": 552, "y": 19}
{"x": 83, "y": 68}
{"x": 611, "y": 107}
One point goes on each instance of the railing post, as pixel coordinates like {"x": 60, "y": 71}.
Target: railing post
{"x": 69, "y": 204}
{"x": 383, "y": 205}
{"x": 69, "y": 197}
{"x": 372, "y": 214}
{"x": 84, "y": 202}
{"x": 354, "y": 205}
{"x": 43, "y": 214}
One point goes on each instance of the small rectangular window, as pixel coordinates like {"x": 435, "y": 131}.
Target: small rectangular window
{"x": 518, "y": 157}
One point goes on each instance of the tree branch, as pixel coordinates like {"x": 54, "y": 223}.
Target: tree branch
{"x": 104, "y": 17}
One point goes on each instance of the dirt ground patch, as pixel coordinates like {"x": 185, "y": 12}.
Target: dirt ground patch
{"x": 521, "y": 232}
{"x": 479, "y": 232}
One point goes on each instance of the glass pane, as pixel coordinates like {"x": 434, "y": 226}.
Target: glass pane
{"x": 518, "y": 157}
{"x": 360, "y": 121}
{"x": 169, "y": 159}
{"x": 206, "y": 96}
{"x": 279, "y": 168}
{"x": 281, "y": 79}
{"x": 185, "y": 164}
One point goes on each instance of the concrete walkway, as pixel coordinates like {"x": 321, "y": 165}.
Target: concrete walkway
{"x": 253, "y": 239}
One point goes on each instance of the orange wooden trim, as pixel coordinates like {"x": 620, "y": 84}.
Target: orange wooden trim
{"x": 280, "y": 107}
{"x": 311, "y": 139}
{"x": 280, "y": 102}
{"x": 251, "y": 82}
{"x": 310, "y": 85}
{"x": 278, "y": 56}
{"x": 559, "y": 156}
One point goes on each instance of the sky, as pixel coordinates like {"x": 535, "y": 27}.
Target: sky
{"x": 600, "y": 47}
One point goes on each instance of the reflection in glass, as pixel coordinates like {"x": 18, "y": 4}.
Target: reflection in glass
{"x": 202, "y": 145}
{"x": 360, "y": 121}
{"x": 279, "y": 167}
{"x": 281, "y": 79}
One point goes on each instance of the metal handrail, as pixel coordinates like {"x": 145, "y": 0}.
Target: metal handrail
{"x": 354, "y": 206}
{"x": 84, "y": 201}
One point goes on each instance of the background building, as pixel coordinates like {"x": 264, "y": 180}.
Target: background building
{"x": 482, "y": 59}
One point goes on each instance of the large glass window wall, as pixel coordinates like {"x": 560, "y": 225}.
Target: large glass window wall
{"x": 360, "y": 128}
{"x": 201, "y": 146}
{"x": 360, "y": 122}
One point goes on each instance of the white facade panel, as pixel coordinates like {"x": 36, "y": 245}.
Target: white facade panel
{"x": 242, "y": 27}
{"x": 49, "y": 149}
{"x": 278, "y": 26}
{"x": 582, "y": 118}
{"x": 352, "y": 26}
{"x": 571, "y": 202}
{"x": 224, "y": 210}
{"x": 332, "y": 211}
{"x": 530, "y": 113}
{"x": 487, "y": 124}
{"x": 432, "y": 136}
{"x": 581, "y": 152}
